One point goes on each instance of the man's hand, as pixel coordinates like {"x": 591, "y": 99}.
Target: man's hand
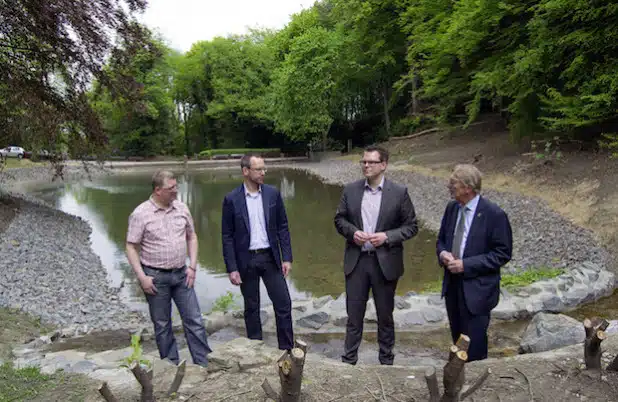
{"x": 286, "y": 267}
{"x": 446, "y": 257}
{"x": 360, "y": 237}
{"x": 190, "y": 281}
{"x": 235, "y": 278}
{"x": 455, "y": 266}
{"x": 148, "y": 285}
{"x": 377, "y": 239}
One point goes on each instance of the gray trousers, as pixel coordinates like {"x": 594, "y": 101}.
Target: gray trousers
{"x": 171, "y": 286}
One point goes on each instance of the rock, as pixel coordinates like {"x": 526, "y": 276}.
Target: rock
{"x": 216, "y": 321}
{"x": 241, "y": 354}
{"x": 299, "y": 307}
{"x": 314, "y": 321}
{"x": 120, "y": 380}
{"x": 401, "y": 303}
{"x": 409, "y": 318}
{"x": 551, "y": 331}
{"x": 433, "y": 315}
{"x": 435, "y": 300}
{"x": 321, "y": 301}
{"x": 264, "y": 316}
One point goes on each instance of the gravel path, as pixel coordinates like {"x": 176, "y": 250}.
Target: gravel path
{"x": 541, "y": 237}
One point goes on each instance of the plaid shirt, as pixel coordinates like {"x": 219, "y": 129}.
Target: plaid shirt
{"x": 161, "y": 233}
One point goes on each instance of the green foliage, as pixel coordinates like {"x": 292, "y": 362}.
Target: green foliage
{"x": 370, "y": 69}
{"x": 137, "y": 353}
{"x": 225, "y": 302}
{"x": 529, "y": 276}
{"x": 19, "y": 384}
{"x": 209, "y": 153}
{"x": 546, "y": 149}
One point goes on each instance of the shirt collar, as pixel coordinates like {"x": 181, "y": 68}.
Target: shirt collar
{"x": 473, "y": 203}
{"x": 380, "y": 186}
{"x": 244, "y": 187}
{"x": 157, "y": 207}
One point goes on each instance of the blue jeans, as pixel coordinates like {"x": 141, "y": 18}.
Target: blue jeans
{"x": 171, "y": 286}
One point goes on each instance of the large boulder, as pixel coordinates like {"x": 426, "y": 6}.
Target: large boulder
{"x": 551, "y": 331}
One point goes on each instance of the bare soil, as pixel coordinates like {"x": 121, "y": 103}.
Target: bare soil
{"x": 544, "y": 377}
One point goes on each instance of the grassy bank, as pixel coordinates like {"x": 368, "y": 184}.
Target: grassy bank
{"x": 29, "y": 383}
{"x": 512, "y": 281}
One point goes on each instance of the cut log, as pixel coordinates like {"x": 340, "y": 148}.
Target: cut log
{"x": 302, "y": 345}
{"x": 145, "y": 380}
{"x": 180, "y": 374}
{"x": 452, "y": 376}
{"x": 592, "y": 344}
{"x": 291, "y": 375}
{"x": 432, "y": 384}
{"x": 107, "y": 393}
{"x": 462, "y": 344}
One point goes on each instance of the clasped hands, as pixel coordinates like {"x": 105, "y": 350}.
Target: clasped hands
{"x": 455, "y": 266}
{"x": 376, "y": 239}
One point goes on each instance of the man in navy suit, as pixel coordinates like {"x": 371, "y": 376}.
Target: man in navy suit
{"x": 475, "y": 240}
{"x": 256, "y": 244}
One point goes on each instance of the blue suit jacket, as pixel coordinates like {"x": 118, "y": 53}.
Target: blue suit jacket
{"x": 488, "y": 247}
{"x": 236, "y": 232}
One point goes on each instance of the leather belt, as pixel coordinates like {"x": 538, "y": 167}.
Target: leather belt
{"x": 368, "y": 252}
{"x": 163, "y": 269}
{"x": 260, "y": 250}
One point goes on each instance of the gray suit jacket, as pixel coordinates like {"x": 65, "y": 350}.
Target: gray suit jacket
{"x": 397, "y": 219}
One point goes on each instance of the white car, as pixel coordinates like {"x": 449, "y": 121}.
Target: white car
{"x": 13, "y": 152}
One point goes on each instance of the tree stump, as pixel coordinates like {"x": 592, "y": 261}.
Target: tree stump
{"x": 595, "y": 334}
{"x": 454, "y": 375}
{"x": 290, "y": 365}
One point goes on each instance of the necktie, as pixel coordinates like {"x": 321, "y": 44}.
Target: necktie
{"x": 459, "y": 232}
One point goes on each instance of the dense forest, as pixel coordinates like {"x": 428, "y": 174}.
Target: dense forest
{"x": 359, "y": 70}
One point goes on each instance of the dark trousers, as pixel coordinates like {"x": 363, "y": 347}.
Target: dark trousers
{"x": 171, "y": 285}
{"x": 463, "y": 322}
{"x": 368, "y": 275}
{"x": 263, "y": 266}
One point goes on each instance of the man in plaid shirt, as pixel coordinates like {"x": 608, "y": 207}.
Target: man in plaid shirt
{"x": 160, "y": 233}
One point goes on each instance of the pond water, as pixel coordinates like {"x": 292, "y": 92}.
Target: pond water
{"x": 106, "y": 204}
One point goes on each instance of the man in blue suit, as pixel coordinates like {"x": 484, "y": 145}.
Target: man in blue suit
{"x": 256, "y": 244}
{"x": 475, "y": 240}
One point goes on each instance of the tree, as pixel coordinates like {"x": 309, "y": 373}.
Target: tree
{"x": 50, "y": 53}
{"x": 145, "y": 123}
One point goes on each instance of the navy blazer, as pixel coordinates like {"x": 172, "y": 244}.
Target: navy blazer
{"x": 236, "y": 232}
{"x": 488, "y": 247}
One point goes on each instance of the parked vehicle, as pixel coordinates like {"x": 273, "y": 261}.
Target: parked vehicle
{"x": 13, "y": 152}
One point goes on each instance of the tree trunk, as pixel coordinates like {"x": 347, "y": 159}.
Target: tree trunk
{"x": 145, "y": 379}
{"x": 592, "y": 343}
{"x": 387, "y": 118}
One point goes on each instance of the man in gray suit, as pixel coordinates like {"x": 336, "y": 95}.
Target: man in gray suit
{"x": 376, "y": 216}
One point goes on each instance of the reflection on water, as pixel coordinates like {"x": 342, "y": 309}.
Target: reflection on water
{"x": 318, "y": 250}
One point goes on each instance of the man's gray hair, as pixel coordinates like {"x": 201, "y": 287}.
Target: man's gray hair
{"x": 469, "y": 176}
{"x": 159, "y": 178}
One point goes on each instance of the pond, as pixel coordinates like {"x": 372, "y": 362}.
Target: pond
{"x": 106, "y": 204}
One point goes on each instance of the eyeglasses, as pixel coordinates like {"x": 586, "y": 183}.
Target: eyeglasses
{"x": 363, "y": 162}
